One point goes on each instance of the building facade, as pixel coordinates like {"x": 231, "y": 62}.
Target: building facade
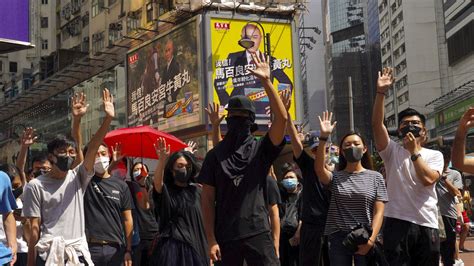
{"x": 352, "y": 48}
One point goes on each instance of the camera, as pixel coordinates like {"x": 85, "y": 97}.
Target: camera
{"x": 359, "y": 235}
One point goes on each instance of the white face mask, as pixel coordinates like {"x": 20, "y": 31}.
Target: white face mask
{"x": 101, "y": 164}
{"x": 137, "y": 173}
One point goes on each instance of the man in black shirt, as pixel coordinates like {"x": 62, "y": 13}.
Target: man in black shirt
{"x": 313, "y": 250}
{"x": 107, "y": 209}
{"x": 273, "y": 198}
{"x": 234, "y": 180}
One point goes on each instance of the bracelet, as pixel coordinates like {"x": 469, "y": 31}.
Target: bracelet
{"x": 323, "y": 139}
{"x": 382, "y": 93}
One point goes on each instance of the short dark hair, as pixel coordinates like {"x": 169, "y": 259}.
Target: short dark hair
{"x": 366, "y": 161}
{"x": 11, "y": 170}
{"x": 41, "y": 158}
{"x": 410, "y": 112}
{"x": 84, "y": 151}
{"x": 291, "y": 167}
{"x": 59, "y": 142}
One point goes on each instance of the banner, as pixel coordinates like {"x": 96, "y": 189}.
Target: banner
{"x": 231, "y": 62}
{"x": 162, "y": 81}
{"x": 15, "y": 22}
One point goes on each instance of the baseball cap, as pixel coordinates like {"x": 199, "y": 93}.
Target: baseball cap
{"x": 240, "y": 103}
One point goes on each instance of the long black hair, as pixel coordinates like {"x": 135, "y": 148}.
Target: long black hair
{"x": 192, "y": 163}
{"x": 366, "y": 158}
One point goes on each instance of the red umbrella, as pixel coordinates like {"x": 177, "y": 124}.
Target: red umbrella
{"x": 138, "y": 141}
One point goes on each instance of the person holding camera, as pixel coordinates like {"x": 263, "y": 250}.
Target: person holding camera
{"x": 358, "y": 196}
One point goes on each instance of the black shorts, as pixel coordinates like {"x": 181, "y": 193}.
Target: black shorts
{"x": 256, "y": 251}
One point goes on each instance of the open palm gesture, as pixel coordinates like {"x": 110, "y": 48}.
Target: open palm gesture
{"x": 325, "y": 124}
{"x": 117, "y": 152}
{"x": 467, "y": 120}
{"x": 79, "y": 104}
{"x": 108, "y": 100}
{"x": 385, "y": 79}
{"x": 286, "y": 99}
{"x": 213, "y": 113}
{"x": 262, "y": 67}
{"x": 28, "y": 136}
{"x": 162, "y": 150}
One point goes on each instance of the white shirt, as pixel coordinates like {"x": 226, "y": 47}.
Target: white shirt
{"x": 22, "y": 245}
{"x": 410, "y": 200}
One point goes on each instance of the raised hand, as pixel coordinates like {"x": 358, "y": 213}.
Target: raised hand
{"x": 385, "y": 79}
{"x": 192, "y": 147}
{"x": 262, "y": 67}
{"x": 28, "y": 137}
{"x": 286, "y": 99}
{"x": 467, "y": 120}
{"x": 78, "y": 104}
{"x": 108, "y": 100}
{"x": 325, "y": 124}
{"x": 162, "y": 150}
{"x": 117, "y": 152}
{"x": 213, "y": 112}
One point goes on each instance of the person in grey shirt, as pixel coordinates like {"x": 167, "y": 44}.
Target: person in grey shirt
{"x": 53, "y": 202}
{"x": 447, "y": 189}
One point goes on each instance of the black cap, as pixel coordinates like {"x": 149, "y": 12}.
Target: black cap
{"x": 240, "y": 103}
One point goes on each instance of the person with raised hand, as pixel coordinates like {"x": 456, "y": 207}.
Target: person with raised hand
{"x": 234, "y": 175}
{"x": 213, "y": 112}
{"x": 182, "y": 241}
{"x": 27, "y": 139}
{"x": 358, "y": 195}
{"x": 411, "y": 216}
{"x": 53, "y": 202}
{"x": 79, "y": 107}
{"x": 460, "y": 160}
{"x": 315, "y": 201}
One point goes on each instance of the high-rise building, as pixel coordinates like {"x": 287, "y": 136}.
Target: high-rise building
{"x": 413, "y": 46}
{"x": 458, "y": 28}
{"x": 352, "y": 53}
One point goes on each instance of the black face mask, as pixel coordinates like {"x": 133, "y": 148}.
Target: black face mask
{"x": 238, "y": 123}
{"x": 39, "y": 172}
{"x": 181, "y": 175}
{"x": 17, "y": 192}
{"x": 410, "y": 128}
{"x": 353, "y": 154}
{"x": 64, "y": 163}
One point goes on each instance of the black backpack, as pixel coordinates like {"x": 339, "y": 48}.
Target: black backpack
{"x": 290, "y": 215}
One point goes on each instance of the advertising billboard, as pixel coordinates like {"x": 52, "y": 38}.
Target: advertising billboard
{"x": 15, "y": 25}
{"x": 231, "y": 62}
{"x": 163, "y": 86}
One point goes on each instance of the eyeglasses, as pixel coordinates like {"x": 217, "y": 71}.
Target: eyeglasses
{"x": 408, "y": 122}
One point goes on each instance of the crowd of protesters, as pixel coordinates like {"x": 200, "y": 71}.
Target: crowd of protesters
{"x": 76, "y": 206}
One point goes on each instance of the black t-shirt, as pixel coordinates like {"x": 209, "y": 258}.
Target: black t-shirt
{"x": 104, "y": 201}
{"x": 241, "y": 210}
{"x": 180, "y": 214}
{"x": 148, "y": 225}
{"x": 273, "y": 192}
{"x": 315, "y": 195}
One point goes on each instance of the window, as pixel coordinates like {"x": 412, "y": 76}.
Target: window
{"x": 133, "y": 21}
{"x": 97, "y": 6}
{"x": 13, "y": 67}
{"x": 403, "y": 98}
{"x": 44, "y": 2}
{"x": 115, "y": 32}
{"x": 98, "y": 41}
{"x": 149, "y": 12}
{"x": 44, "y": 44}
{"x": 461, "y": 44}
{"x": 44, "y": 22}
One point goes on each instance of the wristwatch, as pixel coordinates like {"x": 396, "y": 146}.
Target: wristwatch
{"x": 414, "y": 157}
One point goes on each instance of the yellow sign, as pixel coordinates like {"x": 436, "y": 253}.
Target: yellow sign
{"x": 231, "y": 62}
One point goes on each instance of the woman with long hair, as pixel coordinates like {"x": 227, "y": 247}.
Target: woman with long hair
{"x": 357, "y": 201}
{"x": 177, "y": 198}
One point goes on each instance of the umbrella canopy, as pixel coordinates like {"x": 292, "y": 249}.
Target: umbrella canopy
{"x": 138, "y": 141}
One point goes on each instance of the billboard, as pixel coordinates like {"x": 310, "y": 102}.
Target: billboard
{"x": 453, "y": 113}
{"x": 15, "y": 29}
{"x": 231, "y": 62}
{"x": 163, "y": 86}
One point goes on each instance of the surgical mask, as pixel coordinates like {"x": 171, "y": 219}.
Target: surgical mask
{"x": 137, "y": 173}
{"x": 64, "y": 163}
{"x": 410, "y": 128}
{"x": 334, "y": 159}
{"x": 290, "y": 183}
{"x": 101, "y": 164}
{"x": 181, "y": 175}
{"x": 353, "y": 154}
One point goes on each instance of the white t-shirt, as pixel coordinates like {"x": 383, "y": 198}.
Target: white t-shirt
{"x": 410, "y": 200}
{"x": 22, "y": 246}
{"x": 59, "y": 203}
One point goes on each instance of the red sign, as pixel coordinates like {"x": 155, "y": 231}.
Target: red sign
{"x": 221, "y": 26}
{"x": 133, "y": 59}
